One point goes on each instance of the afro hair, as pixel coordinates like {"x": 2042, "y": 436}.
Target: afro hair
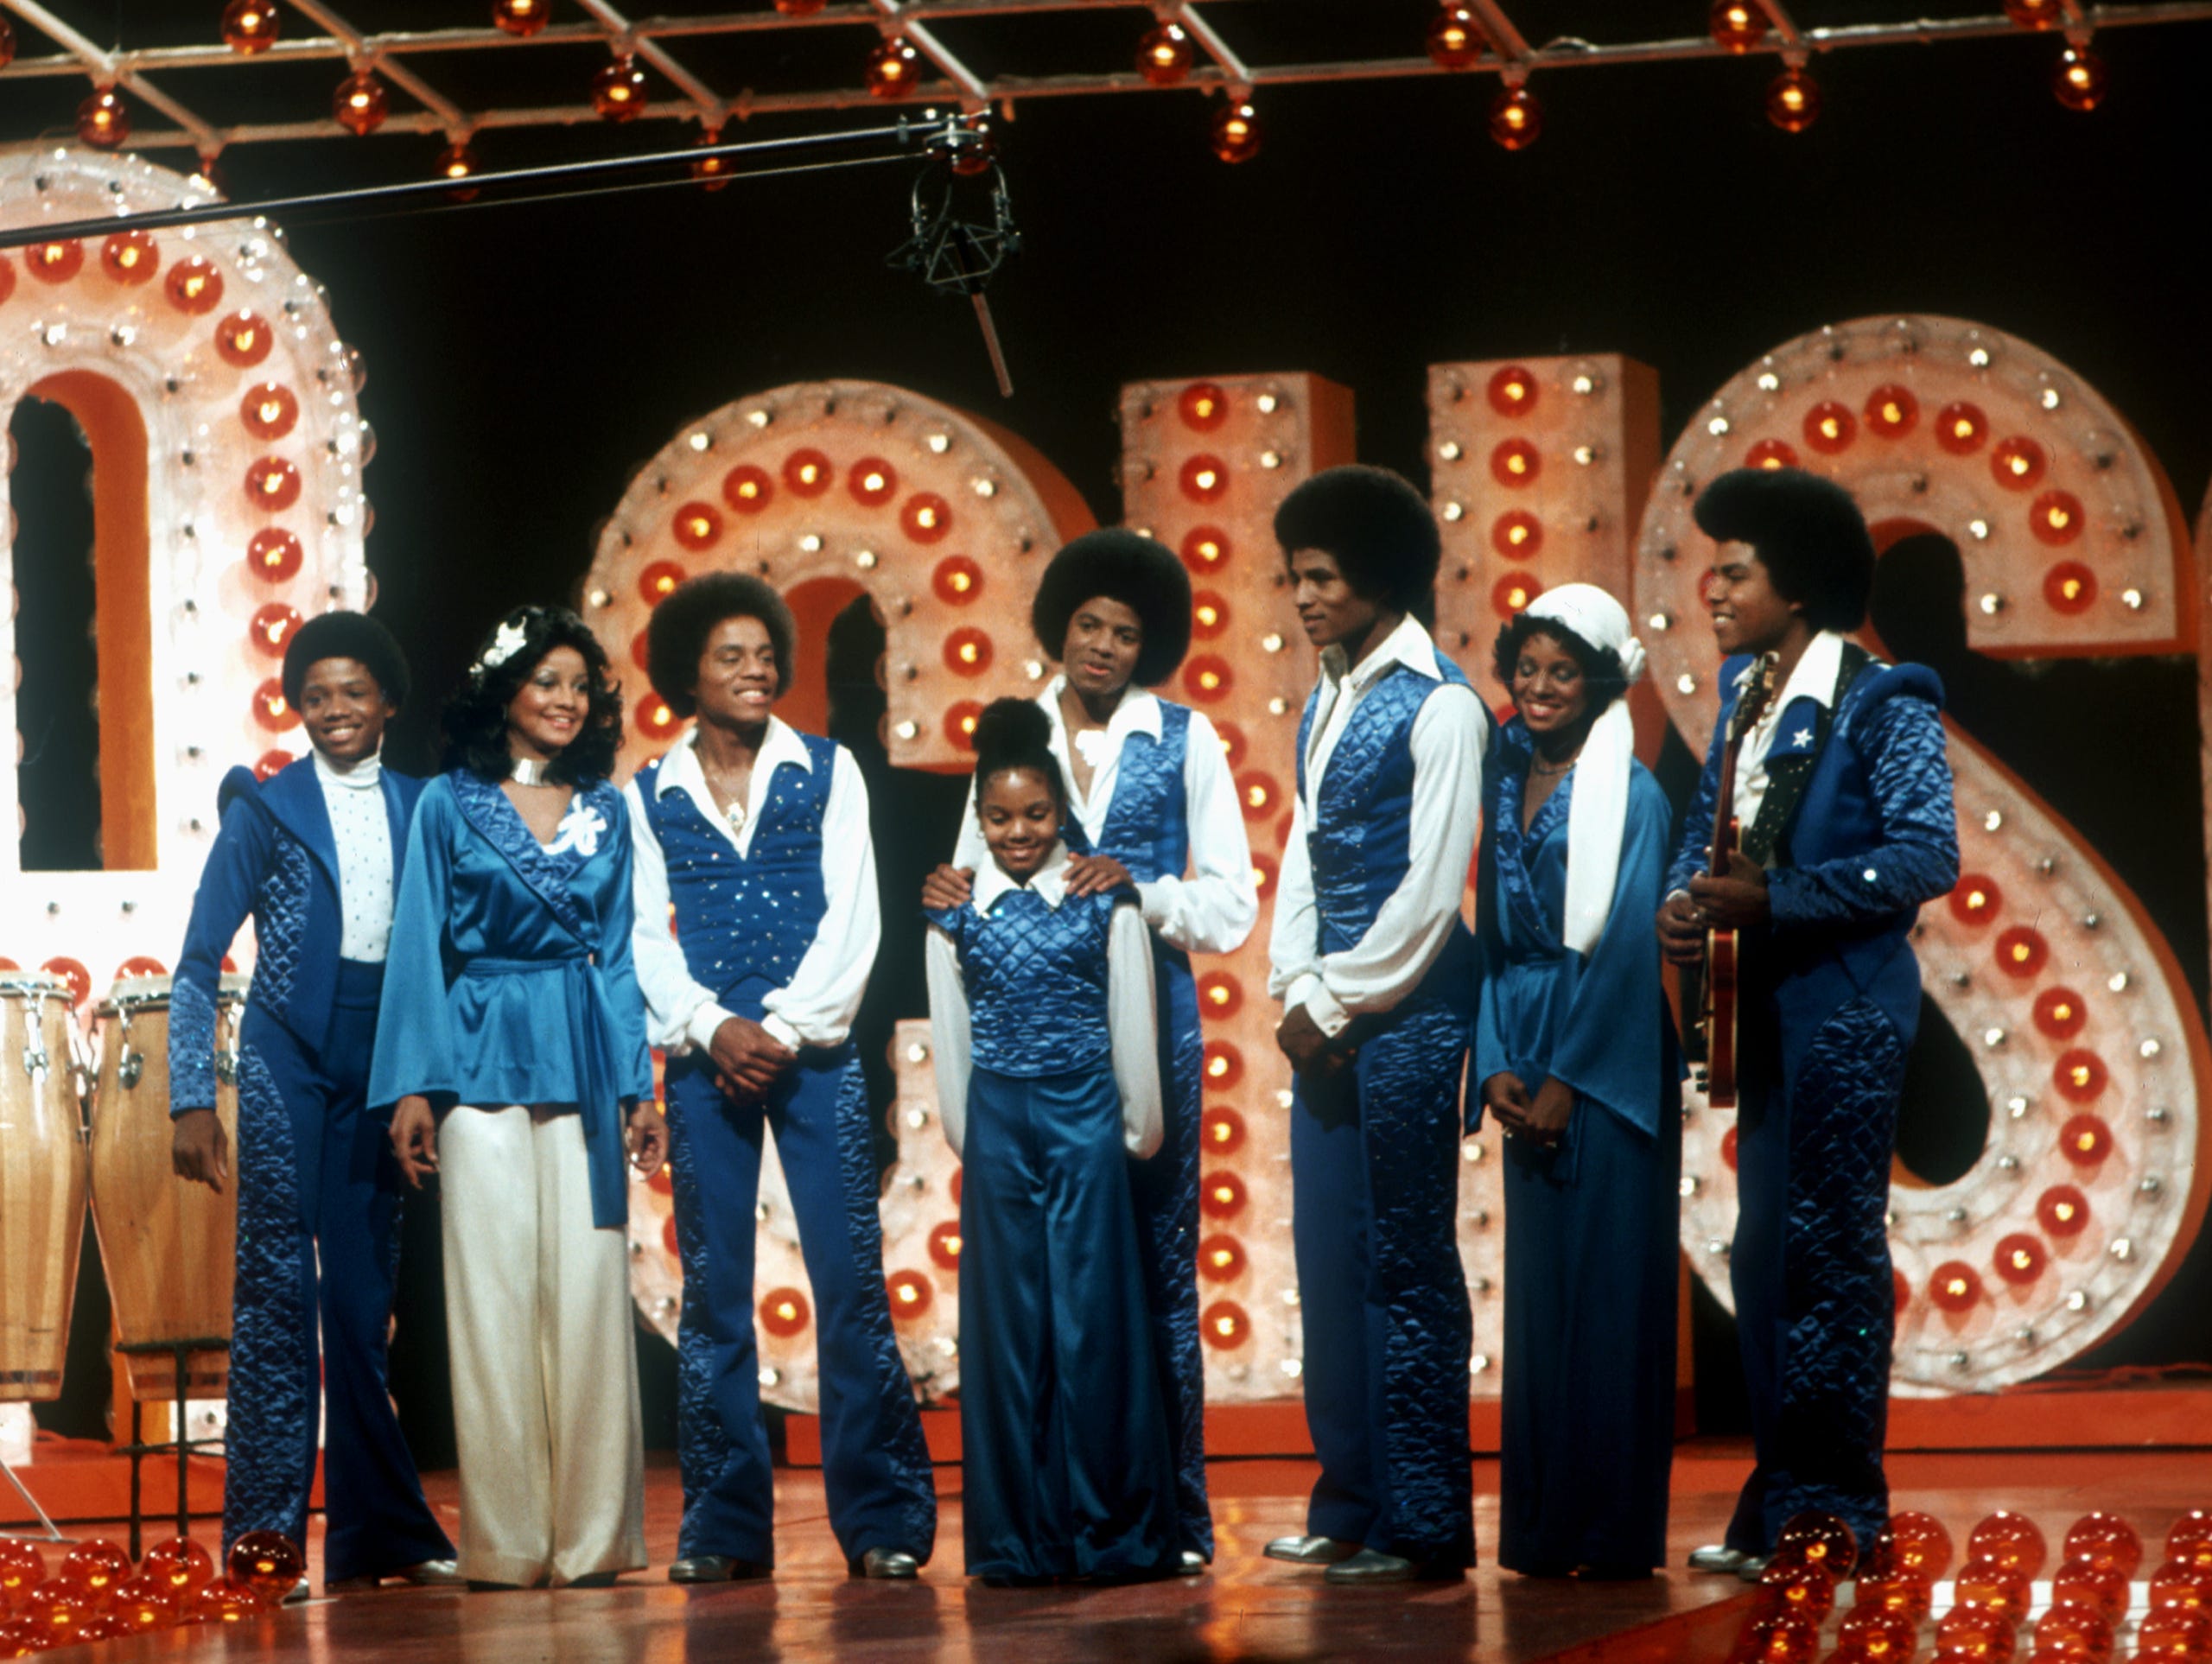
{"x": 346, "y": 635}
{"x": 1016, "y": 733}
{"x": 1378, "y": 528}
{"x": 1807, "y": 531}
{"x": 1131, "y": 568}
{"x": 676, "y": 633}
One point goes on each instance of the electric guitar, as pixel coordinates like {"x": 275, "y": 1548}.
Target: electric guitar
{"x": 1709, "y": 991}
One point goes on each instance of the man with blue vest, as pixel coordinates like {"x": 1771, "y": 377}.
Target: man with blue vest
{"x": 313, "y": 852}
{"x": 753, "y": 840}
{"x": 1843, "y": 796}
{"x": 1377, "y": 974}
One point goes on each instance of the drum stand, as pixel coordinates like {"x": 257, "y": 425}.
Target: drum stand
{"x": 137, "y": 1450}
{"x": 52, "y": 1534}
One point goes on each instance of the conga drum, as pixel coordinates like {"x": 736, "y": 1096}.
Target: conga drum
{"x": 42, "y": 1184}
{"x": 170, "y": 1246}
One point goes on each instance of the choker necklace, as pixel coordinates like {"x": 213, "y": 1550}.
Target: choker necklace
{"x": 1535, "y": 767}
{"x": 528, "y": 771}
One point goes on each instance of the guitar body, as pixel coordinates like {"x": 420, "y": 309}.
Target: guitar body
{"x": 1711, "y": 992}
{"x": 1721, "y": 966}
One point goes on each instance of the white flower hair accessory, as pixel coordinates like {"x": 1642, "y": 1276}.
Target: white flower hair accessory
{"x": 511, "y": 637}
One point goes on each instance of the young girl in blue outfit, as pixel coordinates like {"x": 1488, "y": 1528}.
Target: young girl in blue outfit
{"x": 1041, "y": 1008}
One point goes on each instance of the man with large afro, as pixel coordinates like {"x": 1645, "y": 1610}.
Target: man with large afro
{"x": 757, "y": 836}
{"x": 1843, "y": 796}
{"x": 1153, "y": 807}
{"x": 1375, "y": 972}
{"x": 314, "y": 852}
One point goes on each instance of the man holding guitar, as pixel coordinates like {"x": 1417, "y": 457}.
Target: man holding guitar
{"x": 1841, "y": 798}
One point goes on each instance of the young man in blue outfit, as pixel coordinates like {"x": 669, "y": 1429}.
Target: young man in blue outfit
{"x": 1376, "y": 975}
{"x": 1843, "y": 793}
{"x": 313, "y": 852}
{"x": 756, "y": 836}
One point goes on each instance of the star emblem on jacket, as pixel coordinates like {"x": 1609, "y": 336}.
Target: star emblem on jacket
{"x": 1802, "y": 737}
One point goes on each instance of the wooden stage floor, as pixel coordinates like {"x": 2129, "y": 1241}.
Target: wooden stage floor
{"x": 1247, "y": 1608}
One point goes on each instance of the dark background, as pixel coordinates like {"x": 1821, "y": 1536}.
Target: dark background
{"x": 522, "y": 360}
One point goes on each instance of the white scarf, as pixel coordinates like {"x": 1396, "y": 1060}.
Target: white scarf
{"x": 1598, "y": 810}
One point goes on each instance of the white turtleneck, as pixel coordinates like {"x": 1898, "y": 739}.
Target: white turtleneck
{"x": 362, "y": 831}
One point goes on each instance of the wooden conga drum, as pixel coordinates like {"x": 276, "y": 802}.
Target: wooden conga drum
{"x": 42, "y": 1184}
{"x": 170, "y": 1246}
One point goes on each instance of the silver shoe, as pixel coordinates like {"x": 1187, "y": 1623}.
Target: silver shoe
{"x": 1191, "y": 1563}
{"x": 1370, "y": 1566}
{"x": 1310, "y": 1551}
{"x": 886, "y": 1566}
{"x": 1717, "y": 1557}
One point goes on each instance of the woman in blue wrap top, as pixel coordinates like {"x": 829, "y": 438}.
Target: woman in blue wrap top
{"x": 512, "y": 1041}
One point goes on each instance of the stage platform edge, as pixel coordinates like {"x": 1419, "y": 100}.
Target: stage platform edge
{"x": 2146, "y": 1416}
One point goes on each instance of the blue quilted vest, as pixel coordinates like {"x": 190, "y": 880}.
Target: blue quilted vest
{"x": 1036, "y": 981}
{"x": 745, "y": 921}
{"x": 1147, "y": 825}
{"x": 1360, "y": 838}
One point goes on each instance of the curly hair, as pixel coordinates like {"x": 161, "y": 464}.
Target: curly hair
{"x": 676, "y": 633}
{"x": 1016, "y": 733}
{"x": 1807, "y": 531}
{"x": 1129, "y": 567}
{"x": 1376, "y": 526}
{"x": 476, "y": 717}
{"x": 1601, "y": 667}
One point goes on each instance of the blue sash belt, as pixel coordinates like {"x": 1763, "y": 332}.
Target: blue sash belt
{"x": 598, "y": 1093}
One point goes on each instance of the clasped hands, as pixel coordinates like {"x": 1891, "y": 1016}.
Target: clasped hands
{"x": 1541, "y": 1118}
{"x": 1736, "y": 901}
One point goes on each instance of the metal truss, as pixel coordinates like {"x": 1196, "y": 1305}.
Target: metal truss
{"x": 401, "y": 57}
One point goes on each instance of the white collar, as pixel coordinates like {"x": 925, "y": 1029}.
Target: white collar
{"x": 364, "y": 776}
{"x": 680, "y": 767}
{"x": 1137, "y": 713}
{"x": 1408, "y": 645}
{"x": 1050, "y": 880}
{"x": 1814, "y": 676}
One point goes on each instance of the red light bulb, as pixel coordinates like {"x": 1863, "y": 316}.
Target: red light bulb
{"x": 360, "y": 103}
{"x": 1793, "y": 101}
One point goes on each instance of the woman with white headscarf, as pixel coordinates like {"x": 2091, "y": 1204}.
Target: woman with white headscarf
{"x": 1575, "y": 1059}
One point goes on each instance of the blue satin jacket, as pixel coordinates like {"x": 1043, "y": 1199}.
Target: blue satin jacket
{"x": 509, "y": 979}
{"x": 274, "y": 858}
{"x": 1874, "y": 837}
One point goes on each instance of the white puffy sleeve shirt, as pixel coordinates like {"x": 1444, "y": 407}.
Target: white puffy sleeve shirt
{"x": 1212, "y": 906}
{"x": 818, "y": 1006}
{"x": 1449, "y": 739}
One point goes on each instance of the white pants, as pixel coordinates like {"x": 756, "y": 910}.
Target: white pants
{"x": 544, "y": 1364}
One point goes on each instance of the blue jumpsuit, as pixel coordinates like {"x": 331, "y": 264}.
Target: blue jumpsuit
{"x": 1068, "y": 1464}
{"x": 1148, "y": 831}
{"x": 1590, "y": 1256}
{"x": 745, "y": 922}
{"x": 1833, "y": 1003}
{"x": 317, "y": 1181}
{"x": 1375, "y": 1174}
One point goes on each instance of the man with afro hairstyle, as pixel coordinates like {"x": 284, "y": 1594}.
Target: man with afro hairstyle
{"x": 1152, "y": 808}
{"x": 758, "y": 836}
{"x": 314, "y": 852}
{"x": 1843, "y": 794}
{"x": 1376, "y": 975}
